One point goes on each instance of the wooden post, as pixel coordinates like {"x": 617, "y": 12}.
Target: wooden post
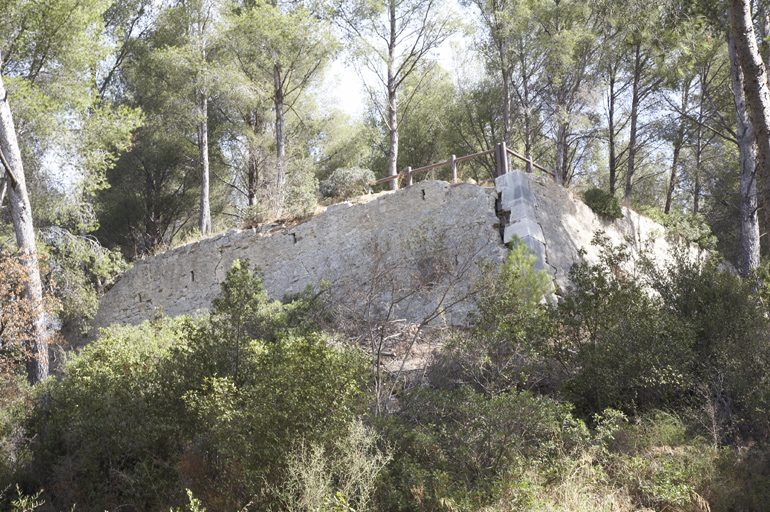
{"x": 498, "y": 165}
{"x": 408, "y": 176}
{"x": 454, "y": 169}
{"x": 504, "y": 159}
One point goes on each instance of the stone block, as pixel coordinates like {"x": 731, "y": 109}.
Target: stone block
{"x": 521, "y": 209}
{"x": 538, "y": 248}
{"x": 511, "y": 196}
{"x": 512, "y": 180}
{"x": 522, "y": 229}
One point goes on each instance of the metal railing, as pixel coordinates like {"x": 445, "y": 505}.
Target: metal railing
{"x": 501, "y": 164}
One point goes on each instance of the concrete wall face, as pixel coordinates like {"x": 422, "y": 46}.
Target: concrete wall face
{"x": 405, "y": 231}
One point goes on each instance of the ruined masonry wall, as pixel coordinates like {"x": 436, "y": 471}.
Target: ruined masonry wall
{"x": 337, "y": 245}
{"x": 341, "y": 245}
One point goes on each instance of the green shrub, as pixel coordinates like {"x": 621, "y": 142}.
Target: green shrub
{"x": 77, "y": 270}
{"x": 603, "y": 203}
{"x": 508, "y": 340}
{"x": 731, "y": 344}
{"x": 691, "y": 228}
{"x": 212, "y": 404}
{"x": 301, "y": 195}
{"x": 347, "y": 182}
{"x": 617, "y": 345}
{"x": 107, "y": 432}
{"x": 463, "y": 448}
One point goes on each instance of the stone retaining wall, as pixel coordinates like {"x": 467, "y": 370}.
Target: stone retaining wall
{"x": 343, "y": 245}
{"x": 412, "y": 232}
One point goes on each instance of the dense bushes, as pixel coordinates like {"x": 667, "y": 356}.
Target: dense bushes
{"x": 212, "y": 404}
{"x": 458, "y": 449}
{"x": 345, "y": 183}
{"x": 603, "y": 203}
{"x": 628, "y": 391}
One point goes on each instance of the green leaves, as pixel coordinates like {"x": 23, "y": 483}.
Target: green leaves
{"x": 213, "y": 404}
{"x": 51, "y": 61}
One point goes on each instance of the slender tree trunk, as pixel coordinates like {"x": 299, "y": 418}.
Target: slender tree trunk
{"x": 280, "y": 137}
{"x": 204, "y": 223}
{"x": 678, "y": 142}
{"x": 21, "y": 213}
{"x": 256, "y": 123}
{"x": 251, "y": 192}
{"x": 561, "y": 153}
{"x": 527, "y": 108}
{"x": 698, "y": 156}
{"x": 757, "y": 93}
{"x": 749, "y": 257}
{"x": 392, "y": 99}
{"x": 506, "y": 77}
{"x": 634, "y": 123}
{"x": 672, "y": 179}
{"x": 613, "y": 163}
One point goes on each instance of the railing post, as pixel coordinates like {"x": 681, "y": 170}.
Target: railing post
{"x": 498, "y": 165}
{"x": 454, "y": 169}
{"x": 408, "y": 176}
{"x": 504, "y": 159}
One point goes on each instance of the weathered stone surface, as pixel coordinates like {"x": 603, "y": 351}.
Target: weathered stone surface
{"x": 338, "y": 246}
{"x": 569, "y": 224}
{"x": 524, "y": 228}
{"x": 407, "y": 229}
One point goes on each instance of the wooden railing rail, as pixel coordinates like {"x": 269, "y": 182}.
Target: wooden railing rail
{"x": 501, "y": 165}
{"x": 527, "y": 160}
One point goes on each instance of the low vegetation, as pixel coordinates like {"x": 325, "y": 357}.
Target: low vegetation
{"x": 603, "y": 203}
{"x": 609, "y": 398}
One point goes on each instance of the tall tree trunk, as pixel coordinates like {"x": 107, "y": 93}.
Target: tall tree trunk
{"x": 613, "y": 162}
{"x": 251, "y": 191}
{"x": 256, "y": 123}
{"x": 749, "y": 257}
{"x": 634, "y": 123}
{"x": 21, "y": 213}
{"x": 678, "y": 142}
{"x": 562, "y": 172}
{"x": 280, "y": 136}
{"x": 698, "y": 155}
{"x": 204, "y": 223}
{"x": 672, "y": 179}
{"x": 527, "y": 119}
{"x": 507, "y": 77}
{"x": 757, "y": 93}
{"x": 392, "y": 103}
